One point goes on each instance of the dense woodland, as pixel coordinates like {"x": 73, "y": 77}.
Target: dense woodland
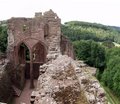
{"x": 92, "y": 43}
{"x": 76, "y": 30}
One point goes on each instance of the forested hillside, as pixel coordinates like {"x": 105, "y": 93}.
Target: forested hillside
{"x": 76, "y": 30}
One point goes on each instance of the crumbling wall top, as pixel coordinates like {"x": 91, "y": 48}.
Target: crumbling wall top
{"x": 48, "y": 16}
{"x": 50, "y": 13}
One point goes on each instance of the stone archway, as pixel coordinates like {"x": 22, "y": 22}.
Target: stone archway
{"x": 39, "y": 57}
{"x": 22, "y": 57}
{"x": 32, "y": 56}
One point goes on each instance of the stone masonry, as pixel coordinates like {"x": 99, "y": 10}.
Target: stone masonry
{"x": 66, "y": 81}
{"x": 6, "y": 92}
{"x": 41, "y": 35}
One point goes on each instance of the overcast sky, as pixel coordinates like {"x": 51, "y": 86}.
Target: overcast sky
{"x": 100, "y": 11}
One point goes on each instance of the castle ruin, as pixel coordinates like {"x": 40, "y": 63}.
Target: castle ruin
{"x": 38, "y": 50}
{"x": 37, "y": 39}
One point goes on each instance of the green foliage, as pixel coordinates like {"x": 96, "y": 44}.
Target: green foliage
{"x": 111, "y": 75}
{"x": 3, "y": 38}
{"x": 77, "y": 34}
{"x": 77, "y": 30}
{"x": 99, "y": 74}
{"x": 110, "y": 53}
{"x": 91, "y": 52}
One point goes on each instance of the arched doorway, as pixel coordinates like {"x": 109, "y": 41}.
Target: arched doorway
{"x": 39, "y": 58}
{"x": 31, "y": 56}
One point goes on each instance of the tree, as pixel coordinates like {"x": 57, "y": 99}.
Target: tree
{"x": 91, "y": 52}
{"x": 77, "y": 30}
{"x": 111, "y": 75}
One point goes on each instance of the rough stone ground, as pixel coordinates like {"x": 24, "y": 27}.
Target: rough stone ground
{"x": 66, "y": 81}
{"x": 59, "y": 84}
{"x": 25, "y": 95}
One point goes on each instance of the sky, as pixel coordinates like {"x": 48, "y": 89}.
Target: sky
{"x": 106, "y": 12}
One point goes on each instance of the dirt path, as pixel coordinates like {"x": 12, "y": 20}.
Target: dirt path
{"x": 25, "y": 95}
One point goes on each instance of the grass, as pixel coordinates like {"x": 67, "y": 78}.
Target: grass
{"x": 113, "y": 99}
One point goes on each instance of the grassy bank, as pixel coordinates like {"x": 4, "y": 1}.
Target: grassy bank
{"x": 113, "y": 99}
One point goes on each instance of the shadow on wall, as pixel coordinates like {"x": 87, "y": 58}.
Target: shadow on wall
{"x": 67, "y": 47}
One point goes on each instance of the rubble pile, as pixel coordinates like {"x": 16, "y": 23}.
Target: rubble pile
{"x": 66, "y": 81}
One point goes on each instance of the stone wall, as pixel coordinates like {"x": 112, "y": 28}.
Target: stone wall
{"x": 54, "y": 31}
{"x": 17, "y": 76}
{"x": 43, "y": 28}
{"x": 6, "y": 92}
{"x": 91, "y": 87}
{"x": 58, "y": 85}
{"x": 67, "y": 47}
{"x": 65, "y": 81}
{"x": 40, "y": 35}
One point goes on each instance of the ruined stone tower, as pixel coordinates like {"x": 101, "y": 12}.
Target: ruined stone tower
{"x": 38, "y": 39}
